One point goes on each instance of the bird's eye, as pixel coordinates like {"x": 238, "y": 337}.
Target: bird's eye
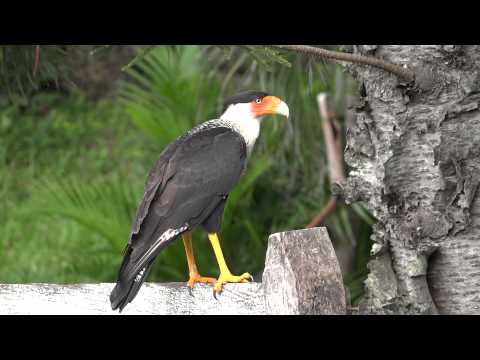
{"x": 258, "y": 101}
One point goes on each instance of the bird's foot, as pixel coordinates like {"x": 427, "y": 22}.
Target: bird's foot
{"x": 229, "y": 278}
{"x": 196, "y": 278}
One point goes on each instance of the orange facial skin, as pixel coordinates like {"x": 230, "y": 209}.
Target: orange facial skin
{"x": 268, "y": 106}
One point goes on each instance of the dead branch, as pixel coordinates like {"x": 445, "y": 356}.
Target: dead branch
{"x": 37, "y": 60}
{"x": 400, "y": 71}
{"x": 333, "y": 145}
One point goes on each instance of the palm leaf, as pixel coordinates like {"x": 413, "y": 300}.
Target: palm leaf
{"x": 168, "y": 95}
{"x": 103, "y": 207}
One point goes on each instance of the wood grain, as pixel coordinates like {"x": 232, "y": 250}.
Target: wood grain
{"x": 302, "y": 274}
{"x": 158, "y": 299}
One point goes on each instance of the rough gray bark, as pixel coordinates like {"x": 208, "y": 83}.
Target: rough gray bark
{"x": 414, "y": 154}
{"x": 302, "y": 277}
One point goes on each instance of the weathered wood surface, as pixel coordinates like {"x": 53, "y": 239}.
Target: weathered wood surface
{"x": 167, "y": 299}
{"x": 301, "y": 276}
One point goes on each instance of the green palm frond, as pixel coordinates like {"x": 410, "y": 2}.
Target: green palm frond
{"x": 168, "y": 94}
{"x": 104, "y": 207}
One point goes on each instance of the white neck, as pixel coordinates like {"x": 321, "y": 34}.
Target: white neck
{"x": 242, "y": 120}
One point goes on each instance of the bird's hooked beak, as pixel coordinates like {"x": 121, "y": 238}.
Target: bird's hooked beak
{"x": 271, "y": 105}
{"x": 282, "y": 109}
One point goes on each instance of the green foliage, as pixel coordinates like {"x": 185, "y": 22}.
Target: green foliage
{"x": 267, "y": 57}
{"x": 264, "y": 55}
{"x": 103, "y": 207}
{"x": 169, "y": 93}
{"x": 24, "y": 67}
{"x": 139, "y": 56}
{"x": 57, "y": 147}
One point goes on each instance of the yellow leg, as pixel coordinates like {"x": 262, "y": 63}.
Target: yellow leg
{"x": 225, "y": 274}
{"x": 192, "y": 267}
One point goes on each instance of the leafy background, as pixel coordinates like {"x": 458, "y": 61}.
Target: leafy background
{"x": 78, "y": 138}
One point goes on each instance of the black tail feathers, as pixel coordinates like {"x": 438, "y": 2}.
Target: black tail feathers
{"x": 125, "y": 291}
{"x": 136, "y": 266}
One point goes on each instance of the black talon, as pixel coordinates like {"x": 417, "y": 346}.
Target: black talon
{"x": 190, "y": 291}
{"x": 251, "y": 278}
{"x": 215, "y": 294}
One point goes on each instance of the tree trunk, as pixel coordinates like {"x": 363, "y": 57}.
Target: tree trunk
{"x": 414, "y": 154}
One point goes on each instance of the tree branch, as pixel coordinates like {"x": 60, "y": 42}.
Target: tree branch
{"x": 333, "y": 144}
{"x": 37, "y": 60}
{"x": 401, "y": 72}
{"x": 324, "y": 213}
{"x": 334, "y": 157}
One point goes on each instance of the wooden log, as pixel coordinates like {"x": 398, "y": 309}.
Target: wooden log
{"x": 301, "y": 276}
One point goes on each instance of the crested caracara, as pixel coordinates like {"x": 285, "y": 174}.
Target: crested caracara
{"x": 188, "y": 187}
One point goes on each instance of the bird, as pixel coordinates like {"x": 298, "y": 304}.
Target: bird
{"x": 188, "y": 188}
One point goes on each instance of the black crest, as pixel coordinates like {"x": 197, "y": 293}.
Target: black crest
{"x": 244, "y": 97}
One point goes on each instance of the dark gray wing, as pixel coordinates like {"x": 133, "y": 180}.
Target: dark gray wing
{"x": 156, "y": 179}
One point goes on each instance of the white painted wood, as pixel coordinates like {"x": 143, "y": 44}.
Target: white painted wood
{"x": 158, "y": 299}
